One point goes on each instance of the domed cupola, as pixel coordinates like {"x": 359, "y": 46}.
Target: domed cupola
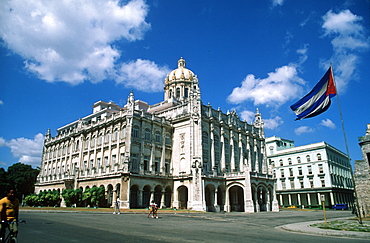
{"x": 179, "y": 82}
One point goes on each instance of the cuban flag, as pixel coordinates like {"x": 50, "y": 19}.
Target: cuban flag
{"x": 318, "y": 100}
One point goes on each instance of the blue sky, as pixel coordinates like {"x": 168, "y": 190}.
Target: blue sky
{"x": 57, "y": 58}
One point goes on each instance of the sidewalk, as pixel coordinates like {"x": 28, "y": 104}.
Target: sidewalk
{"x": 305, "y": 228}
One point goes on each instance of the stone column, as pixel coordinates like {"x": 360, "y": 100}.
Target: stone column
{"x": 162, "y": 199}
{"x": 248, "y": 199}
{"x": 114, "y": 198}
{"x": 216, "y": 206}
{"x": 175, "y": 199}
{"x": 222, "y": 152}
{"x": 290, "y": 199}
{"x": 140, "y": 197}
{"x": 256, "y": 203}
{"x": 227, "y": 201}
{"x": 332, "y": 198}
{"x": 268, "y": 201}
{"x": 212, "y": 149}
{"x": 232, "y": 155}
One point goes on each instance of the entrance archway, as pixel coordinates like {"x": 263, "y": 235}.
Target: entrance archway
{"x": 158, "y": 195}
{"x": 236, "y": 195}
{"x": 210, "y": 198}
{"x": 167, "y": 197}
{"x": 146, "y": 196}
{"x": 183, "y": 197}
{"x": 133, "y": 196}
{"x": 109, "y": 195}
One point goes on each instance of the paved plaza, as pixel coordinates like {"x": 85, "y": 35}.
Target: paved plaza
{"x": 55, "y": 226}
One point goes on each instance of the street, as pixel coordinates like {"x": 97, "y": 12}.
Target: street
{"x": 47, "y": 226}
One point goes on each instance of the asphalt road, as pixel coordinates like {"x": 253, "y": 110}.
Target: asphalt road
{"x": 63, "y": 227}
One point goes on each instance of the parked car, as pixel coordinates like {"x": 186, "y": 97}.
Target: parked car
{"x": 340, "y": 206}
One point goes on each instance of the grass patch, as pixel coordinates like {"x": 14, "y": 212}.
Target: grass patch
{"x": 347, "y": 225}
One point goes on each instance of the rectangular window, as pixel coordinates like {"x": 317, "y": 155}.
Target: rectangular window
{"x": 309, "y": 168}
{"x": 283, "y": 185}
{"x": 290, "y": 171}
{"x": 282, "y": 172}
{"x": 114, "y": 159}
{"x": 135, "y": 162}
{"x": 323, "y": 182}
{"x": 300, "y": 170}
{"x": 146, "y": 163}
{"x": 321, "y": 168}
{"x": 311, "y": 184}
{"x": 292, "y": 184}
{"x": 157, "y": 164}
{"x": 301, "y": 183}
{"x": 167, "y": 166}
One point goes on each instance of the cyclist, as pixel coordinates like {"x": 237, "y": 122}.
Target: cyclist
{"x": 9, "y": 209}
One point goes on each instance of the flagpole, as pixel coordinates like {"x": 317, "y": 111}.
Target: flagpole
{"x": 347, "y": 150}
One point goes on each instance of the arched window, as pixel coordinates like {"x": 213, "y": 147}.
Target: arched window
{"x": 123, "y": 132}
{"x": 299, "y": 159}
{"x": 177, "y": 92}
{"x": 147, "y": 134}
{"x": 136, "y": 132}
{"x": 308, "y": 158}
{"x": 107, "y": 137}
{"x": 93, "y": 141}
{"x": 281, "y": 162}
{"x": 115, "y": 135}
{"x": 100, "y": 139}
{"x": 217, "y": 149}
{"x": 318, "y": 156}
{"x": 205, "y": 147}
{"x": 289, "y": 161}
{"x": 157, "y": 136}
{"x": 77, "y": 145}
{"x": 168, "y": 139}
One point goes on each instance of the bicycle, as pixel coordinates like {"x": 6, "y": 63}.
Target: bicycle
{"x": 7, "y": 237}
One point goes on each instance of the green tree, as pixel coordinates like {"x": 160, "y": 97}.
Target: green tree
{"x": 72, "y": 197}
{"x": 4, "y": 183}
{"x": 23, "y": 178}
{"x": 98, "y": 196}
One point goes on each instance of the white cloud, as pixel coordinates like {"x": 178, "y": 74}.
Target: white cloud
{"x": 279, "y": 87}
{"x": 303, "y": 52}
{"x": 1, "y": 102}
{"x": 328, "y": 123}
{"x": 303, "y": 129}
{"x": 2, "y": 142}
{"x": 247, "y": 116}
{"x": 277, "y": 2}
{"x": 28, "y": 151}
{"x": 273, "y": 123}
{"x": 143, "y": 75}
{"x": 270, "y": 123}
{"x": 348, "y": 41}
{"x": 72, "y": 41}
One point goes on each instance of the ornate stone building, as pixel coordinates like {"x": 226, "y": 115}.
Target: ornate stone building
{"x": 362, "y": 174}
{"x": 179, "y": 152}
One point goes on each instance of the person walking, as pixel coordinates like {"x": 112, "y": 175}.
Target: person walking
{"x": 9, "y": 210}
{"x": 117, "y": 209}
{"x": 153, "y": 209}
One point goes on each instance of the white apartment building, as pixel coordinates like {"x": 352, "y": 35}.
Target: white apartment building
{"x": 178, "y": 152}
{"x": 309, "y": 174}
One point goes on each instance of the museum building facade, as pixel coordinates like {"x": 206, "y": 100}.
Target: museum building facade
{"x": 181, "y": 153}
